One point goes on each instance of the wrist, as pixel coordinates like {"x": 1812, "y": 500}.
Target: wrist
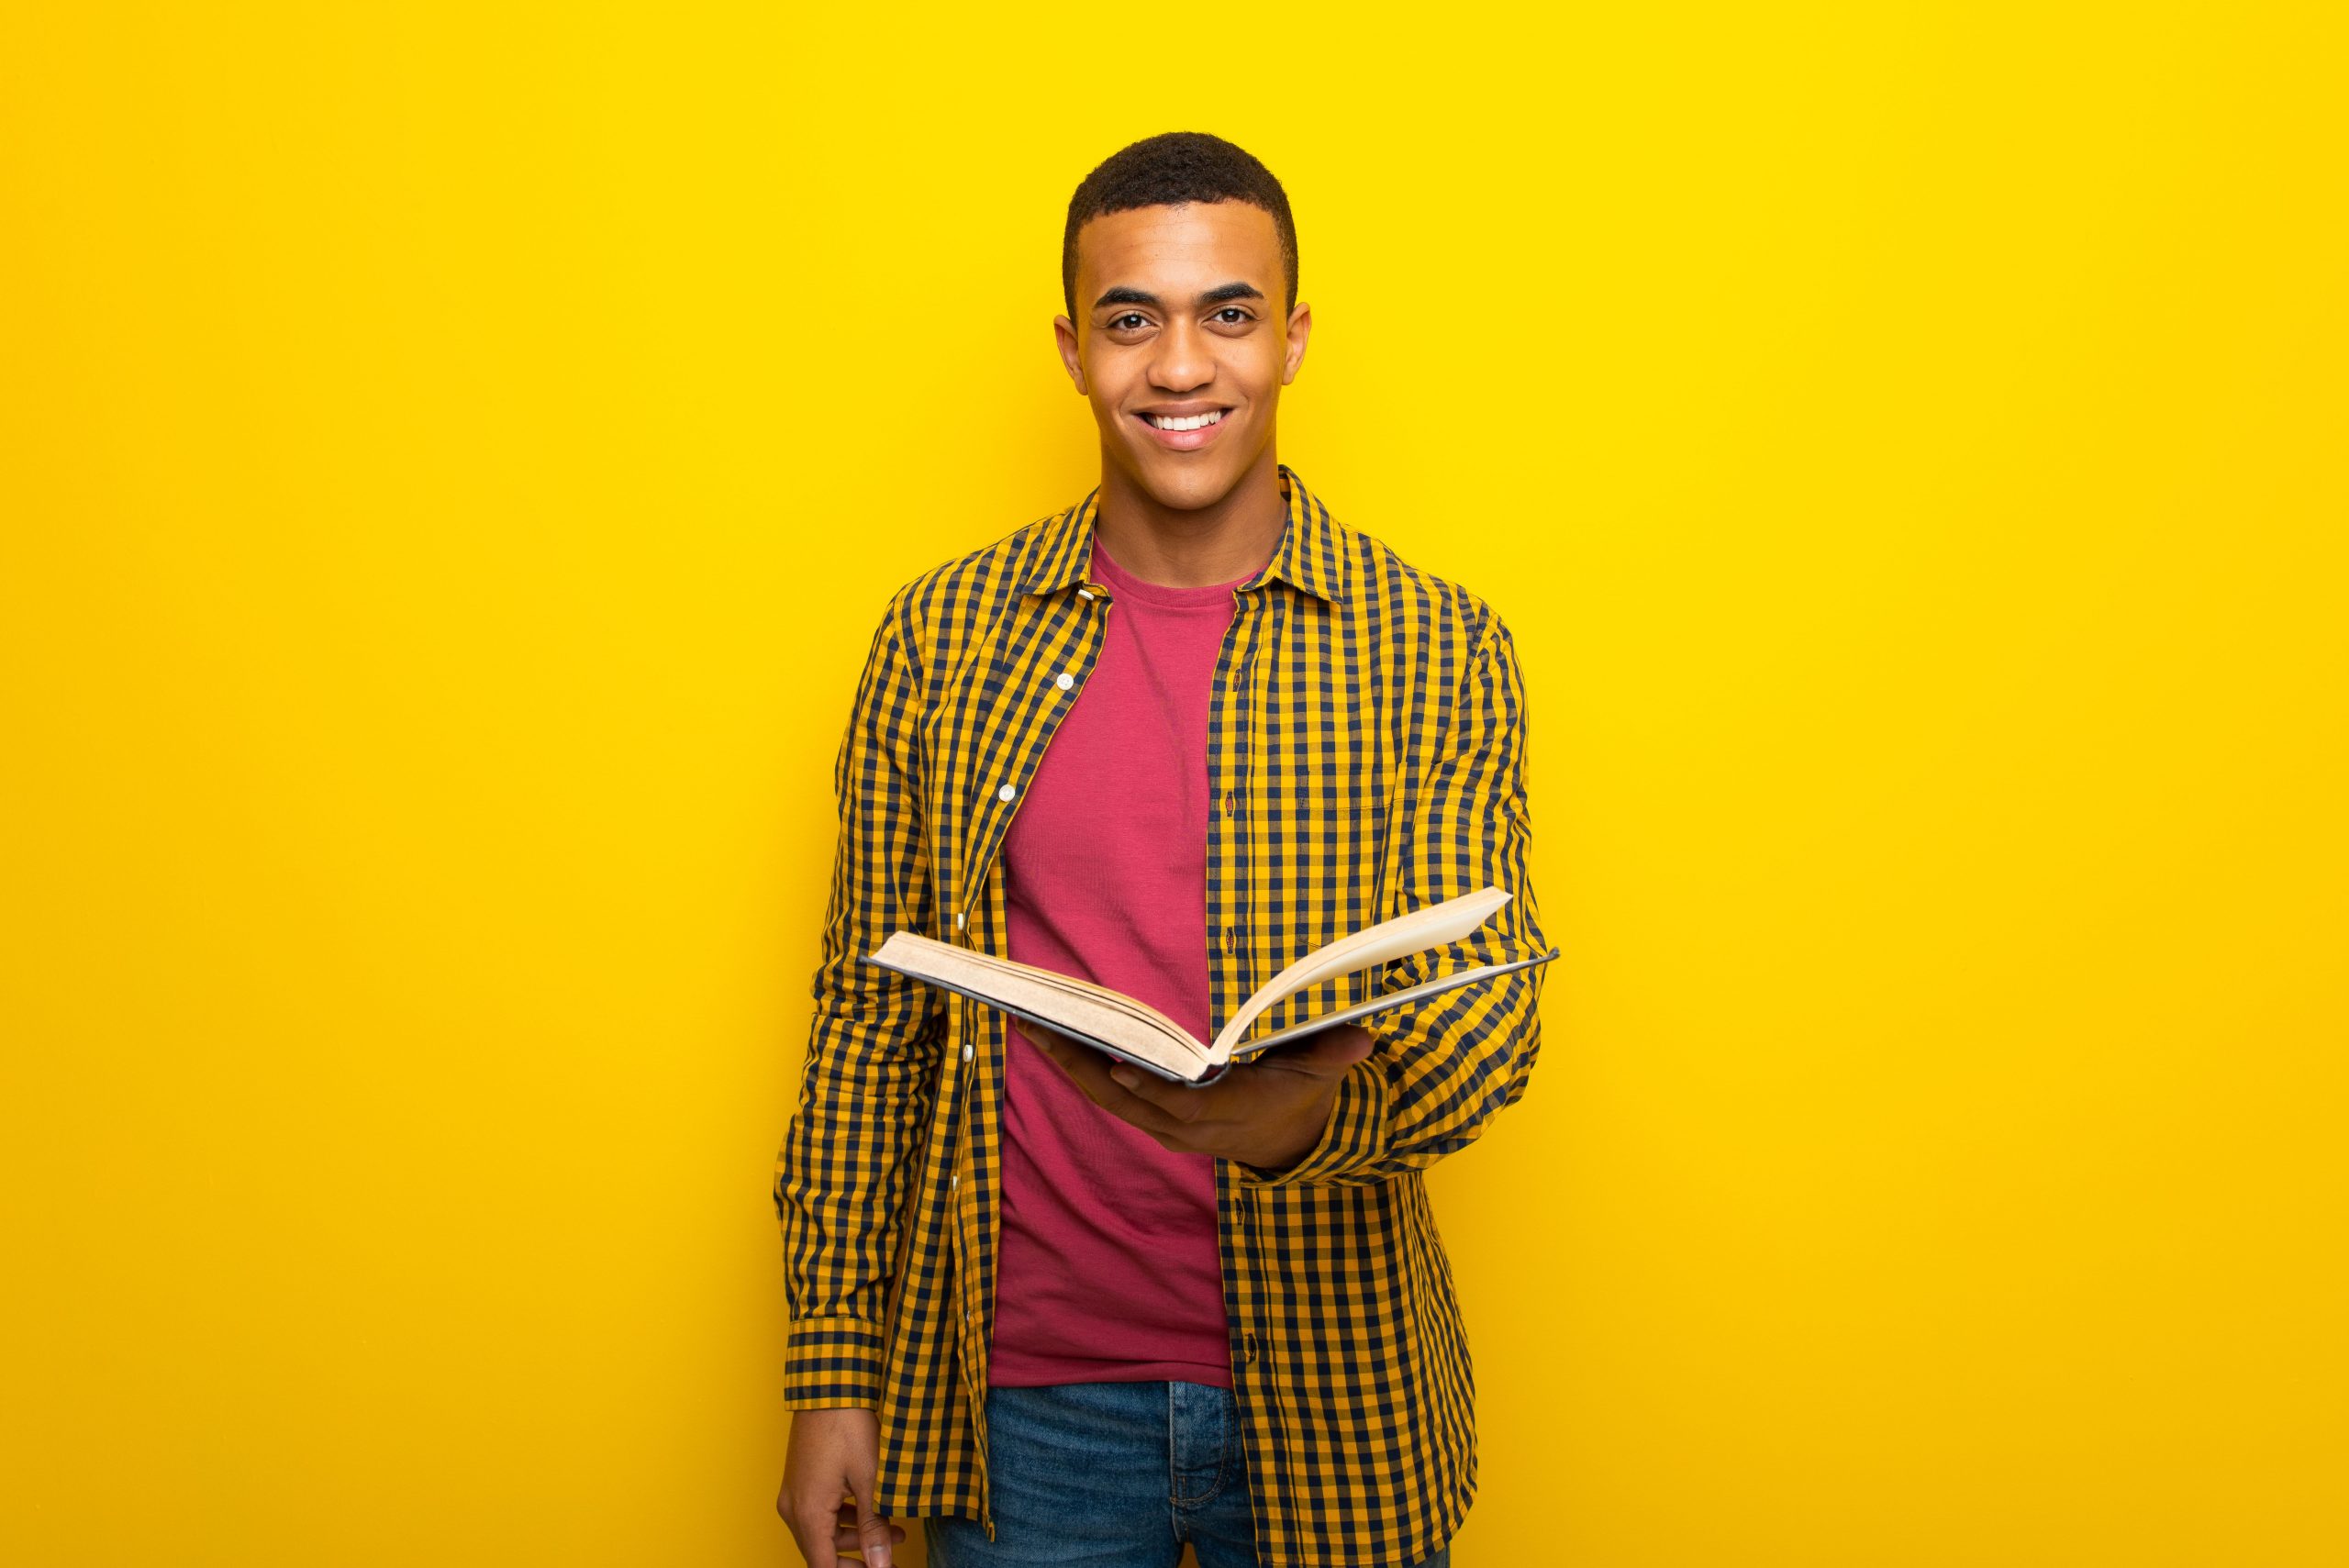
{"x": 1313, "y": 1124}
{"x": 1352, "y": 1142}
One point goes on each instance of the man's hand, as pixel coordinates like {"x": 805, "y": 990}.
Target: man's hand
{"x": 833, "y": 1455}
{"x": 1267, "y": 1112}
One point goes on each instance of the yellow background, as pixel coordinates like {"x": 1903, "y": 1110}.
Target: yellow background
{"x": 451, "y": 458}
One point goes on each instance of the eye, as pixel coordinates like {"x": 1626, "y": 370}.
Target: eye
{"x": 1131, "y": 321}
{"x": 1231, "y": 316}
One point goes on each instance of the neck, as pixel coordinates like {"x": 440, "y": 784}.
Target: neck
{"x": 1192, "y": 549}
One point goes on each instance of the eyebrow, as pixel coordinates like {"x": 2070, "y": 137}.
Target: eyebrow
{"x": 1216, "y": 295}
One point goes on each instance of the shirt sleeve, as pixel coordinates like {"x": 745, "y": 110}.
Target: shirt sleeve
{"x": 871, "y": 1071}
{"x": 1441, "y": 1068}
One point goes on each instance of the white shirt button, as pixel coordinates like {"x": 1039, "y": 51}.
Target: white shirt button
{"x": 1084, "y": 593}
{"x": 958, "y": 919}
{"x": 1005, "y": 793}
{"x": 967, "y": 1052}
{"x": 1064, "y": 680}
{"x": 953, "y": 1181}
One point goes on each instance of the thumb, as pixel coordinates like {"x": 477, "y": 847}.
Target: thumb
{"x": 872, "y": 1529}
{"x": 1330, "y": 1053}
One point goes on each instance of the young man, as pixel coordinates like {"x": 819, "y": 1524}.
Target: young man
{"x": 1169, "y": 740}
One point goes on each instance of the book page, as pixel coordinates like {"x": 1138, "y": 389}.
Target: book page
{"x": 1434, "y": 926}
{"x": 1410, "y": 993}
{"x": 1091, "y": 1012}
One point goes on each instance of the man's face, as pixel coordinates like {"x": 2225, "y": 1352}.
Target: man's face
{"x": 1179, "y": 318}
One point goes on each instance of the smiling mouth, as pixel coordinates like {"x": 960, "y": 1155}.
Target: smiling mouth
{"x": 1184, "y": 422}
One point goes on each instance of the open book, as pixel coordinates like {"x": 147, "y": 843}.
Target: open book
{"x": 1126, "y": 1028}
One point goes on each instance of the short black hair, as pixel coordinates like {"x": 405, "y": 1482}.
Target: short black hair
{"x": 1167, "y": 171}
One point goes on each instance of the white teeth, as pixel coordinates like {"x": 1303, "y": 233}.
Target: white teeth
{"x": 1195, "y": 422}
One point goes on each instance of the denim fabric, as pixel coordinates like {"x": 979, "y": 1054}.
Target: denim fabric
{"x": 1112, "y": 1475}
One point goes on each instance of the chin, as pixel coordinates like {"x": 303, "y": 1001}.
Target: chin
{"x": 1189, "y": 492}
{"x": 1187, "y": 487}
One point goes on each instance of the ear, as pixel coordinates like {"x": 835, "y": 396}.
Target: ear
{"x": 1065, "y": 334}
{"x": 1300, "y": 327}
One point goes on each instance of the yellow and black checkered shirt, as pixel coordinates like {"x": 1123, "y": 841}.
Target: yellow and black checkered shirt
{"x": 1367, "y": 748}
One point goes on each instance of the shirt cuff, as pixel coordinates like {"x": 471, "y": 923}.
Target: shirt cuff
{"x": 833, "y": 1361}
{"x": 1354, "y": 1139}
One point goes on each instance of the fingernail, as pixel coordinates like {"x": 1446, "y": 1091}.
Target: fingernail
{"x": 1126, "y": 1075}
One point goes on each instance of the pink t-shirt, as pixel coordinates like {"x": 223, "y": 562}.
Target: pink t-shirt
{"x": 1109, "y": 1269}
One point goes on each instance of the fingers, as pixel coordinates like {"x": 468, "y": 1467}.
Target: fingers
{"x": 834, "y": 1453}
{"x": 805, "y": 1511}
{"x": 850, "y": 1538}
{"x": 809, "y": 1520}
{"x": 1329, "y": 1054}
{"x": 808, "y": 1529}
{"x": 1091, "y": 1072}
{"x": 872, "y": 1530}
{"x": 872, "y": 1539}
{"x": 1184, "y": 1103}
{"x": 845, "y": 1529}
{"x": 847, "y": 1543}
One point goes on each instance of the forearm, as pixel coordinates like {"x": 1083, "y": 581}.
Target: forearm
{"x": 1432, "y": 1083}
{"x": 840, "y": 1189}
{"x": 873, "y": 1046}
{"x": 1441, "y": 1068}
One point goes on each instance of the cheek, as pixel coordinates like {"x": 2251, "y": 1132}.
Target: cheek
{"x": 1261, "y": 368}
{"x": 1104, "y": 383}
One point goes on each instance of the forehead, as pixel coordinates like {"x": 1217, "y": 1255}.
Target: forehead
{"x": 1202, "y": 242}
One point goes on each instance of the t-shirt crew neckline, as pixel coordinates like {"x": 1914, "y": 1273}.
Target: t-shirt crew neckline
{"x": 1125, "y": 584}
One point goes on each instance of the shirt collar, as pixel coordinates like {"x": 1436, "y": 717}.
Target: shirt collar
{"x": 1307, "y": 556}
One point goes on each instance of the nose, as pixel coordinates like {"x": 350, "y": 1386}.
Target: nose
{"x": 1182, "y": 363}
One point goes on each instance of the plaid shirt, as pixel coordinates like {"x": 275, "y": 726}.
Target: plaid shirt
{"x": 1366, "y": 749}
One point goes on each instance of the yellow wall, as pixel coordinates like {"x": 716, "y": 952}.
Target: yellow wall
{"x": 450, "y": 464}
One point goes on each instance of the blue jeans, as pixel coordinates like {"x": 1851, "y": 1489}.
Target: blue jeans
{"x": 1112, "y": 1475}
